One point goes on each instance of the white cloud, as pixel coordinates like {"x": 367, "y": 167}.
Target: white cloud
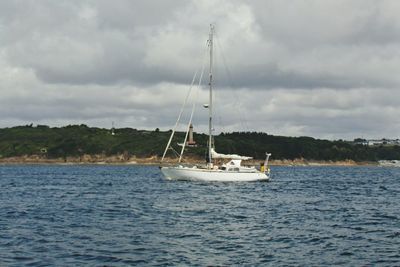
{"x": 319, "y": 68}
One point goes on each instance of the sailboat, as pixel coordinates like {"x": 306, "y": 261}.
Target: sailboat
{"x": 230, "y": 171}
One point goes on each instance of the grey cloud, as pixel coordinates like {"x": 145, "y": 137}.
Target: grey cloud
{"x": 305, "y": 25}
{"x": 127, "y": 14}
{"x": 131, "y": 62}
{"x": 90, "y": 42}
{"x": 81, "y": 42}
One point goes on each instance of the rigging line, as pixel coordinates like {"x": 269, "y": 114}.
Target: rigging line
{"x": 217, "y": 108}
{"x": 242, "y": 115}
{"x": 191, "y": 115}
{"x": 179, "y": 116}
{"x": 194, "y": 104}
{"x": 173, "y": 150}
{"x": 218, "y": 96}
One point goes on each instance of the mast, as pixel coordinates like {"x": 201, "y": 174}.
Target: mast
{"x": 210, "y": 44}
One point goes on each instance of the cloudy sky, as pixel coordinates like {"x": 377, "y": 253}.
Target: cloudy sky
{"x": 327, "y": 69}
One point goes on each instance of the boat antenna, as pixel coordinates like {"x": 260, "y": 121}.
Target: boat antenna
{"x": 210, "y": 45}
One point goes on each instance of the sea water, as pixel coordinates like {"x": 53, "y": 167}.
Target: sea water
{"x": 130, "y": 215}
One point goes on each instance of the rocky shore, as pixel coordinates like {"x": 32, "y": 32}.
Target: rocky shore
{"x": 154, "y": 160}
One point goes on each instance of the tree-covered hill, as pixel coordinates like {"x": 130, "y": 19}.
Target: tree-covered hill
{"x": 77, "y": 140}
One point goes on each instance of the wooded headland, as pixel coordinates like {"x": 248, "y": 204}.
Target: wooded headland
{"x": 91, "y": 144}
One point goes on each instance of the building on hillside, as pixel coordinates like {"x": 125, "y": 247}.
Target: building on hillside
{"x": 383, "y": 142}
{"x": 191, "y": 142}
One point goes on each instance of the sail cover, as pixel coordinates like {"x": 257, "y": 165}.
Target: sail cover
{"x": 216, "y": 155}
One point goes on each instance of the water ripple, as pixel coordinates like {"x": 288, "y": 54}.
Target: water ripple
{"x": 130, "y": 215}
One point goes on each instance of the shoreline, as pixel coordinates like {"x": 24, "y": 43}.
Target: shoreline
{"x": 123, "y": 160}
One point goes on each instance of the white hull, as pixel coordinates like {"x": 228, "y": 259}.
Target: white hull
{"x": 197, "y": 174}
